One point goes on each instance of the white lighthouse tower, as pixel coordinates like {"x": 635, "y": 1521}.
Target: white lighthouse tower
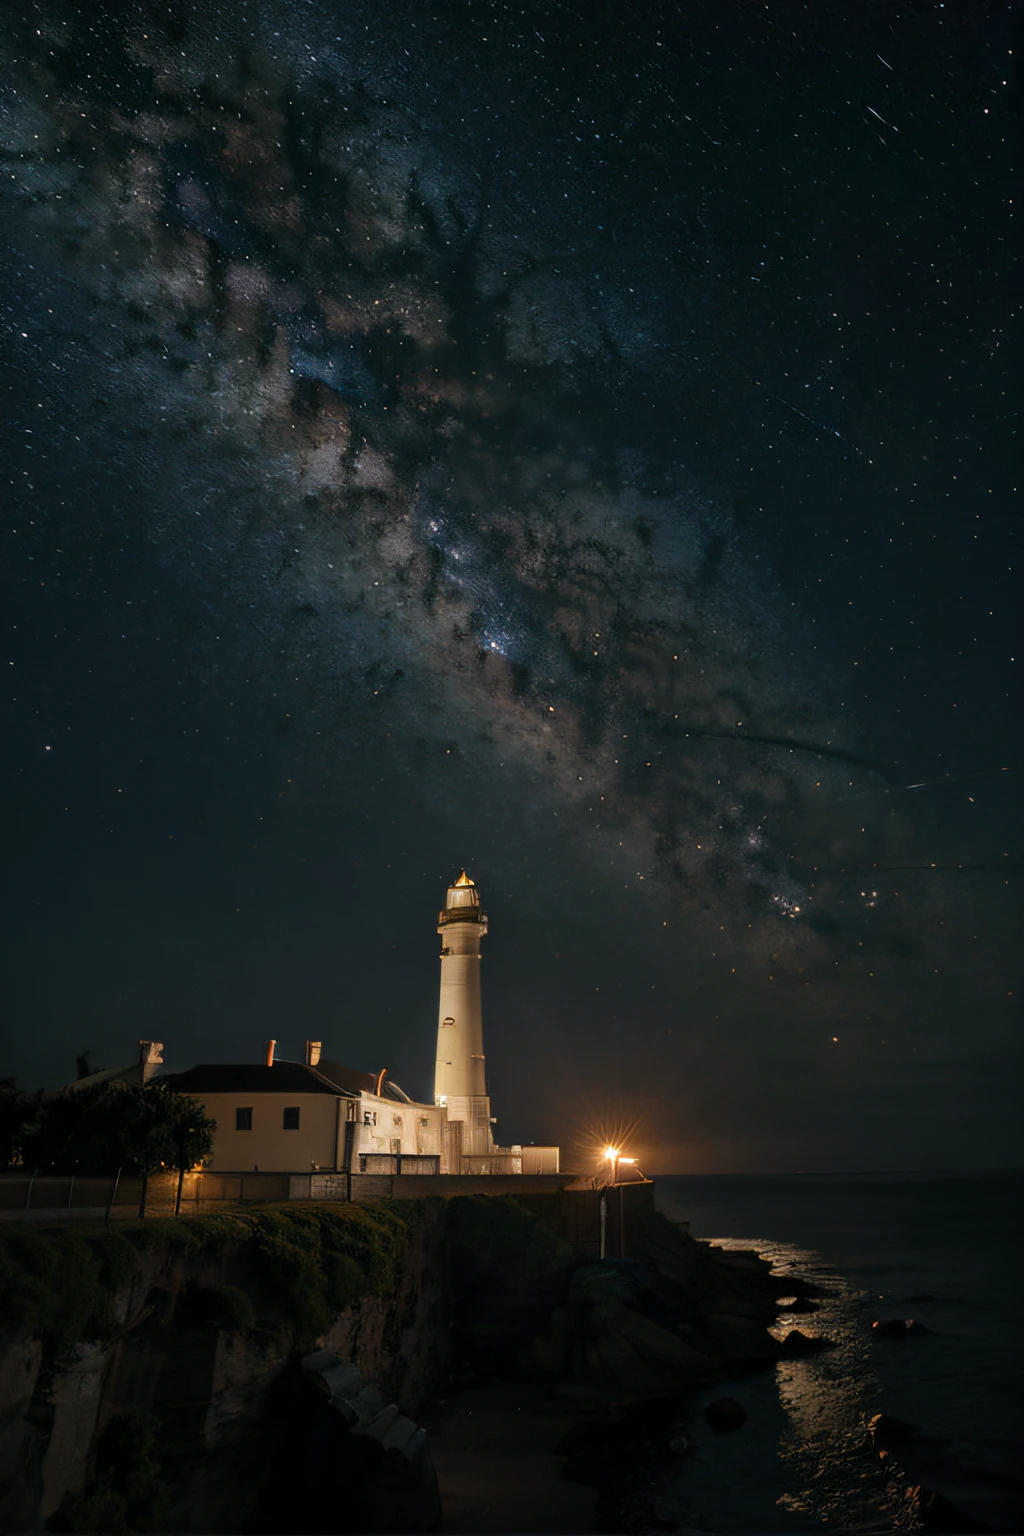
{"x": 460, "y": 1082}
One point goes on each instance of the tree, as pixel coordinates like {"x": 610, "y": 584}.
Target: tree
{"x": 75, "y": 1132}
{"x": 111, "y": 1126}
{"x": 162, "y": 1129}
{"x": 191, "y": 1135}
{"x": 17, "y": 1112}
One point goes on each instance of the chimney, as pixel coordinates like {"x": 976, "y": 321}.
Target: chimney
{"x": 312, "y": 1052}
{"x": 150, "y": 1058}
{"x": 270, "y": 1052}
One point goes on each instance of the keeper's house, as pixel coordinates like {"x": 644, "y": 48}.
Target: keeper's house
{"x": 316, "y": 1116}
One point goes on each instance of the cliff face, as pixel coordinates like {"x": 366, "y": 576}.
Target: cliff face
{"x": 151, "y": 1377}
{"x": 163, "y": 1356}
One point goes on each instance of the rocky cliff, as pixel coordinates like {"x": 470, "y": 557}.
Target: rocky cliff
{"x": 152, "y": 1376}
{"x": 149, "y": 1374}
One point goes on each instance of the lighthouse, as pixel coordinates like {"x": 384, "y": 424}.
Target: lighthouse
{"x": 460, "y": 1081}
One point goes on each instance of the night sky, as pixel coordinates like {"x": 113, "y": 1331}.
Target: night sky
{"x": 570, "y": 440}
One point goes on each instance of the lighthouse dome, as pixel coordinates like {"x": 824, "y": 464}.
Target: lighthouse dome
{"x": 462, "y": 905}
{"x": 463, "y": 893}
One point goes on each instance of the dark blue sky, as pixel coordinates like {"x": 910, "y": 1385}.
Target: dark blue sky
{"x": 522, "y": 439}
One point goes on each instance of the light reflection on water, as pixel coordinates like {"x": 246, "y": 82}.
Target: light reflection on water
{"x": 819, "y": 1472}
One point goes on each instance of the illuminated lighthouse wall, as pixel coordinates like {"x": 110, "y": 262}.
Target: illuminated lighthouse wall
{"x": 460, "y": 1080}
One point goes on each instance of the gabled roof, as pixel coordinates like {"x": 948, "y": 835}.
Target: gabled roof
{"x": 244, "y": 1077}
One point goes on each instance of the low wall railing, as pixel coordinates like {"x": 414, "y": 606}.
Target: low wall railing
{"x": 594, "y": 1220}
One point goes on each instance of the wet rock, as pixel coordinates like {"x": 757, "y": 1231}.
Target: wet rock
{"x": 790, "y": 1288}
{"x": 796, "y": 1343}
{"x": 937, "y": 1513}
{"x": 725, "y": 1413}
{"x": 887, "y": 1432}
{"x": 739, "y": 1340}
{"x": 897, "y": 1327}
{"x": 707, "y": 1278}
{"x": 799, "y": 1304}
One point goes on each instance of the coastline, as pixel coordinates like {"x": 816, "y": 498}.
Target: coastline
{"x": 652, "y": 1340}
{"x": 557, "y": 1392}
{"x": 807, "y": 1456}
{"x": 942, "y": 1250}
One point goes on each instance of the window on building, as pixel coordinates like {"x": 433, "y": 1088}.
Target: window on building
{"x": 243, "y": 1119}
{"x": 291, "y": 1119}
{"x": 369, "y": 1117}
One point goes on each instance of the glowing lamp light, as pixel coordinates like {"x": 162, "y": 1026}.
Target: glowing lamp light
{"x": 611, "y": 1153}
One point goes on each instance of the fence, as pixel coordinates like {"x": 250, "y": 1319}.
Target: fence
{"x": 53, "y": 1193}
{"x": 575, "y": 1214}
{"x": 570, "y": 1206}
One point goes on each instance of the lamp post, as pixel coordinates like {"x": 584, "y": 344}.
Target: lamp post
{"x": 612, "y": 1157}
{"x": 615, "y": 1159}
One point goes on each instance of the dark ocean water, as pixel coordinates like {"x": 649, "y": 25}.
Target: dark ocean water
{"x": 945, "y": 1248}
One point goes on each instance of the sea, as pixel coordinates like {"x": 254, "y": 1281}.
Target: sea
{"x": 946, "y": 1249}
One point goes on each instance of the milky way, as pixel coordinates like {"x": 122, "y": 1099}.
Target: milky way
{"x": 454, "y": 363}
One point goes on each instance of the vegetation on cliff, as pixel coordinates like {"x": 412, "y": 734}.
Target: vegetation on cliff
{"x": 276, "y": 1266}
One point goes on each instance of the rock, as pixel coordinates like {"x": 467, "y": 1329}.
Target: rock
{"x": 679, "y": 1445}
{"x": 626, "y": 1355}
{"x": 887, "y": 1432}
{"x": 383, "y": 1455}
{"x": 708, "y": 1279}
{"x": 791, "y": 1288}
{"x": 897, "y": 1327}
{"x": 739, "y": 1340}
{"x": 797, "y": 1343}
{"x": 725, "y": 1413}
{"x": 937, "y": 1513}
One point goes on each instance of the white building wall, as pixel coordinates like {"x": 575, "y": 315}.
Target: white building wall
{"x": 268, "y": 1146}
{"x": 384, "y": 1126}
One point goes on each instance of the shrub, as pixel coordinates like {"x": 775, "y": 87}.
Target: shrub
{"x": 51, "y": 1285}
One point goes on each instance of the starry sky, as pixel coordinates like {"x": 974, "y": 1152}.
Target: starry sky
{"x": 574, "y": 442}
